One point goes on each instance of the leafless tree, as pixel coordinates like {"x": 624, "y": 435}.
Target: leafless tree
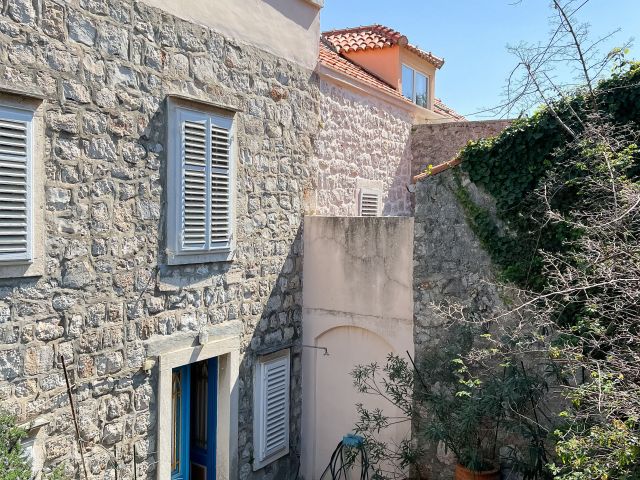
{"x": 587, "y": 319}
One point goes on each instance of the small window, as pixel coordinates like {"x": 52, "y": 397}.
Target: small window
{"x": 200, "y": 193}
{"x": 16, "y": 185}
{"x": 370, "y": 203}
{"x": 271, "y": 408}
{"x": 415, "y": 86}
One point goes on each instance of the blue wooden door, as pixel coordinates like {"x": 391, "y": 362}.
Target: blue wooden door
{"x": 194, "y": 422}
{"x": 180, "y": 392}
{"x": 203, "y": 416}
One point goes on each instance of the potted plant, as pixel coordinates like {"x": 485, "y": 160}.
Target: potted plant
{"x": 469, "y": 414}
{"x": 462, "y": 413}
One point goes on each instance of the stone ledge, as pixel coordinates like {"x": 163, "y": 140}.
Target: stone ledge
{"x": 160, "y": 344}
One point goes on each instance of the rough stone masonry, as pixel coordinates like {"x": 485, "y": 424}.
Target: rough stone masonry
{"x": 105, "y": 68}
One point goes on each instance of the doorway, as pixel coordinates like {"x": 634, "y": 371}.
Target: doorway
{"x": 194, "y": 420}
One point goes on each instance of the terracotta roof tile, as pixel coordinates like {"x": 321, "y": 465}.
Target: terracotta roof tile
{"x": 332, "y": 59}
{"x": 443, "y": 109}
{"x": 374, "y": 36}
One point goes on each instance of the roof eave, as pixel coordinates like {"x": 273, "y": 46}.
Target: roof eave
{"x": 416, "y": 111}
{"x": 364, "y": 88}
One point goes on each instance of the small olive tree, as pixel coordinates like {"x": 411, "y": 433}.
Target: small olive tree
{"x": 13, "y": 464}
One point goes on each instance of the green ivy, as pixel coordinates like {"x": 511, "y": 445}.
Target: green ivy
{"x": 511, "y": 166}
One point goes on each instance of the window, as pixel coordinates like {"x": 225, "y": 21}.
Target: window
{"x": 16, "y": 185}
{"x": 415, "y": 86}
{"x": 200, "y": 181}
{"x": 179, "y": 412}
{"x": 370, "y": 203}
{"x": 271, "y": 408}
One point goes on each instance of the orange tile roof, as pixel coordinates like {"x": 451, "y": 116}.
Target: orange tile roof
{"x": 332, "y": 59}
{"x": 443, "y": 109}
{"x": 375, "y": 36}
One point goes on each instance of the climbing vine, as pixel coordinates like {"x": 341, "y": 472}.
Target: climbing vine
{"x": 512, "y": 165}
{"x": 566, "y": 230}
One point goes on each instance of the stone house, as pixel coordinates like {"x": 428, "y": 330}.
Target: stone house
{"x": 157, "y": 160}
{"x": 154, "y": 159}
{"x": 374, "y": 87}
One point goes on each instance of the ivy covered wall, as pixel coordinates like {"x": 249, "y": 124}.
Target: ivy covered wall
{"x": 511, "y": 165}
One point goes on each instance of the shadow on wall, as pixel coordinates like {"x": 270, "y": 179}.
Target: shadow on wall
{"x": 399, "y": 189}
{"x": 271, "y": 317}
{"x": 278, "y": 326}
{"x": 300, "y": 12}
{"x": 261, "y": 290}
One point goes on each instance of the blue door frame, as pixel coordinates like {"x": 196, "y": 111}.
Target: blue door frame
{"x": 187, "y": 451}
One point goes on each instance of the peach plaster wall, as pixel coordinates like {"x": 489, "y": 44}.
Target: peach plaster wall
{"x": 363, "y": 142}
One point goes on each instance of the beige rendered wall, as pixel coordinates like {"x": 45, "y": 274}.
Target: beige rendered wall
{"x": 363, "y": 142}
{"x": 286, "y": 28}
{"x": 357, "y": 303}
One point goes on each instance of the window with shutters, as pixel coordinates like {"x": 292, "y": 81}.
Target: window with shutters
{"x": 201, "y": 174}
{"x": 16, "y": 185}
{"x": 370, "y": 204}
{"x": 271, "y": 408}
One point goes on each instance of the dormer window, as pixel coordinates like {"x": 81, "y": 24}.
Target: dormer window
{"x": 415, "y": 86}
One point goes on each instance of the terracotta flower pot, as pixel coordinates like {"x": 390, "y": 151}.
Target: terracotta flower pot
{"x": 463, "y": 473}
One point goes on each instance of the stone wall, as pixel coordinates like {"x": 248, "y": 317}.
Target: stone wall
{"x": 433, "y": 144}
{"x": 105, "y": 68}
{"x": 450, "y": 266}
{"x": 363, "y": 143}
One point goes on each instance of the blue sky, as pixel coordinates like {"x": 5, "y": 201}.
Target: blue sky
{"x": 472, "y": 36}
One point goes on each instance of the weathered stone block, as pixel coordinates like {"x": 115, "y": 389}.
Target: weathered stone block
{"x": 38, "y": 359}
{"x": 77, "y": 274}
{"x": 76, "y": 92}
{"x": 112, "y": 433}
{"x": 109, "y": 363}
{"x": 81, "y": 29}
{"x": 22, "y": 11}
{"x": 53, "y": 20}
{"x": 58, "y": 198}
{"x": 10, "y": 364}
{"x": 113, "y": 40}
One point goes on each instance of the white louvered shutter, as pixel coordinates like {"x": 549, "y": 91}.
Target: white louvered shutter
{"x": 15, "y": 184}
{"x": 220, "y": 185}
{"x": 272, "y": 410}
{"x": 194, "y": 184}
{"x": 205, "y": 210}
{"x": 369, "y": 203}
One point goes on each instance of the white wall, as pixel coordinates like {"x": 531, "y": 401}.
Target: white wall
{"x": 358, "y": 304}
{"x": 286, "y": 28}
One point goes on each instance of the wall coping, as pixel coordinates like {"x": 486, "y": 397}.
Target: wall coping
{"x": 438, "y": 169}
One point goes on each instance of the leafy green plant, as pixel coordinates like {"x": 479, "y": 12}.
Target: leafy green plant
{"x": 13, "y": 465}
{"x": 449, "y": 401}
{"x": 512, "y": 166}
{"x": 566, "y": 230}
{"x": 13, "y": 462}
